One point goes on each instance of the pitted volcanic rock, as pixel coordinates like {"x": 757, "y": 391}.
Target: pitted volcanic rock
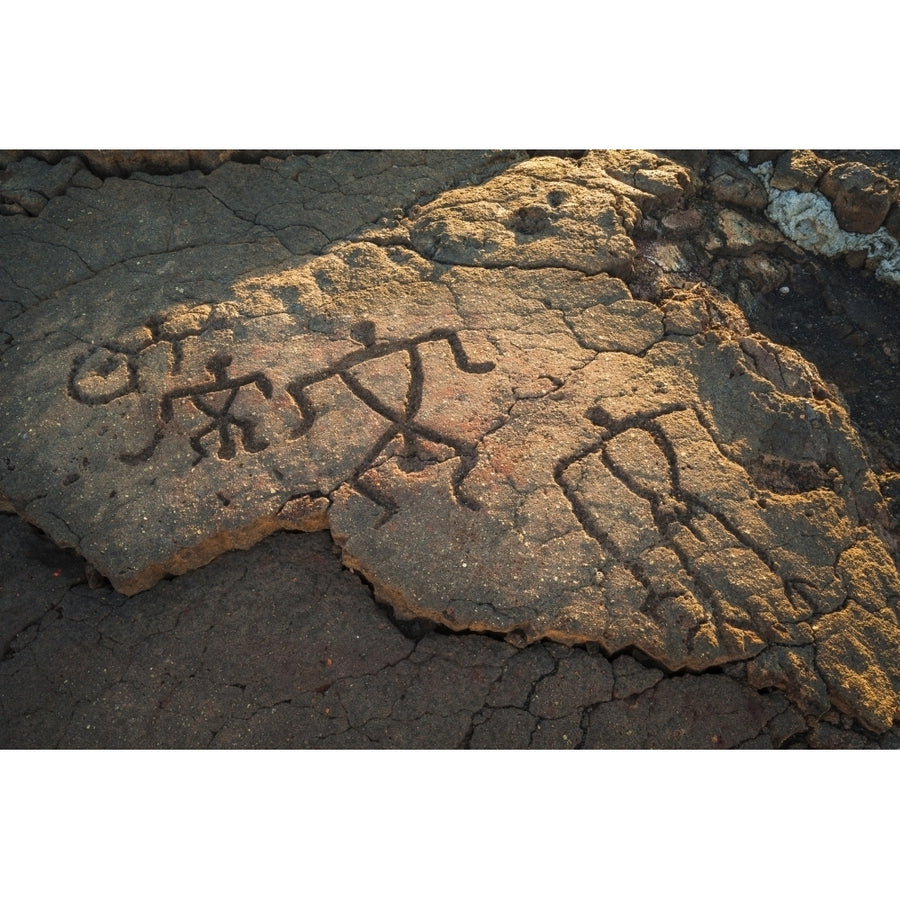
{"x": 500, "y": 435}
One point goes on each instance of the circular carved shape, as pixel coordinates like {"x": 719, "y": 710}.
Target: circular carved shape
{"x": 102, "y": 375}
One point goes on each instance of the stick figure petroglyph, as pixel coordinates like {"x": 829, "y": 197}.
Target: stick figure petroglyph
{"x": 111, "y": 373}
{"x": 402, "y": 420}
{"x": 215, "y": 400}
{"x": 700, "y": 557}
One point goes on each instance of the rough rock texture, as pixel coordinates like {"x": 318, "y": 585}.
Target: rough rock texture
{"x": 510, "y": 420}
{"x": 27, "y": 184}
{"x": 861, "y": 197}
{"x": 730, "y": 182}
{"x": 843, "y": 213}
{"x": 798, "y": 170}
{"x": 122, "y": 163}
{"x": 829, "y": 203}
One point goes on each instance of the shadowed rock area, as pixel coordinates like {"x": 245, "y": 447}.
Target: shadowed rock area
{"x": 501, "y": 385}
{"x": 279, "y": 646}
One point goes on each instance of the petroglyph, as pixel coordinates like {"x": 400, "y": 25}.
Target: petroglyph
{"x": 635, "y": 493}
{"x": 365, "y": 382}
{"x": 106, "y": 374}
{"x": 508, "y": 423}
{"x": 214, "y": 400}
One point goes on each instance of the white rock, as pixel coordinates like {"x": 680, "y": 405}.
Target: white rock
{"x": 808, "y": 220}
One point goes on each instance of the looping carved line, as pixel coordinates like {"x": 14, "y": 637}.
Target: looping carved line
{"x": 119, "y": 369}
{"x": 102, "y": 363}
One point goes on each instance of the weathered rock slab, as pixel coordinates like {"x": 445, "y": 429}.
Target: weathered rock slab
{"x": 500, "y": 433}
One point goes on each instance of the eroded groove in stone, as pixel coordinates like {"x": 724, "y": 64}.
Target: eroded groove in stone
{"x": 500, "y": 435}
